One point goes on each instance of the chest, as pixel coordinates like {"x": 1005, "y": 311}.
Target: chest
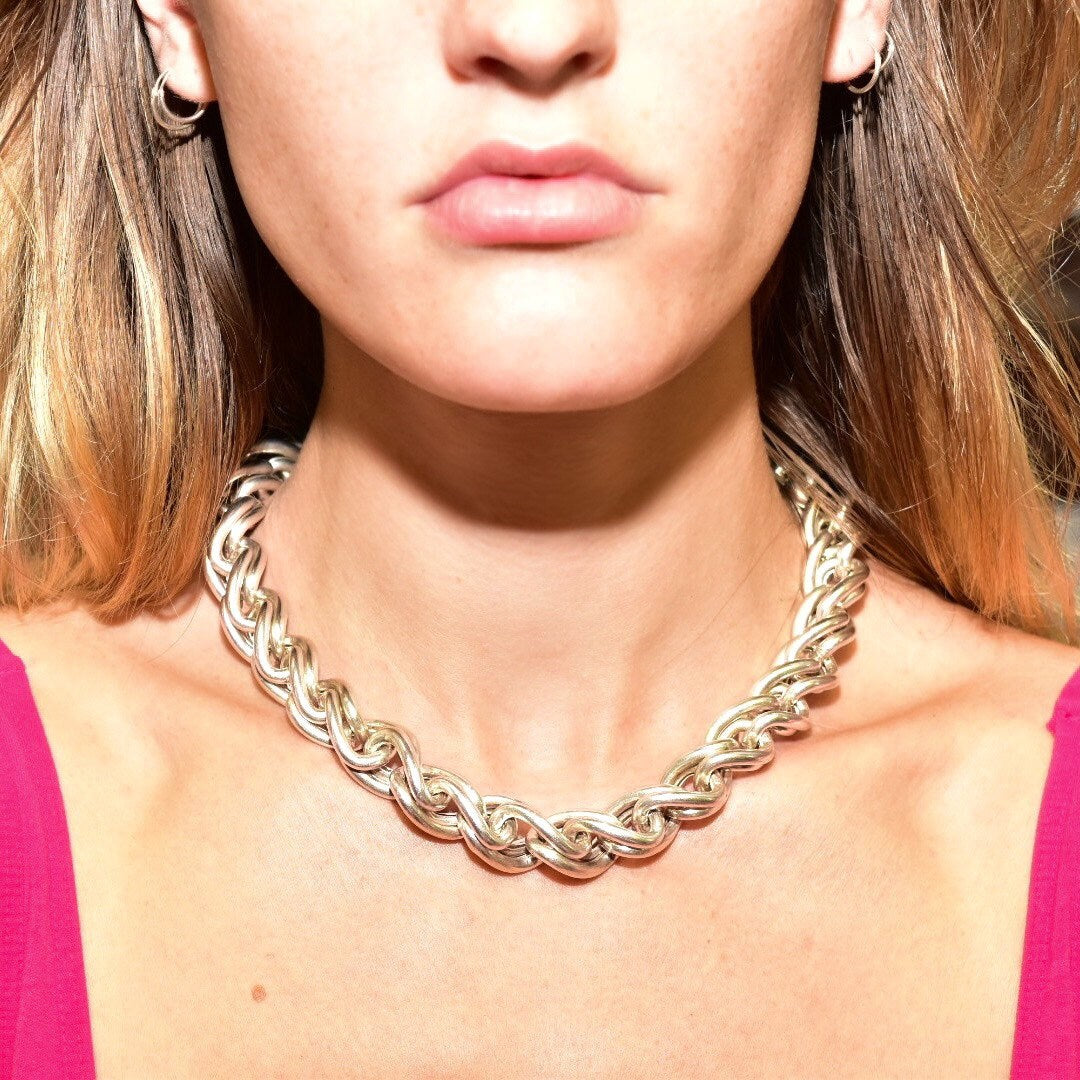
{"x": 255, "y": 938}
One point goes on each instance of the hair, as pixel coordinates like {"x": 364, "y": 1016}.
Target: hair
{"x": 909, "y": 345}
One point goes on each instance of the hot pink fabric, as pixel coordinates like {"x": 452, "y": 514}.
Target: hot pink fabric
{"x": 1046, "y": 1043}
{"x": 44, "y": 1018}
{"x": 44, "y": 1014}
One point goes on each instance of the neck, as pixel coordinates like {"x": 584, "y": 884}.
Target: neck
{"x": 555, "y": 604}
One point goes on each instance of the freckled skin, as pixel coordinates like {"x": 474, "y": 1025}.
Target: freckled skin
{"x": 337, "y": 112}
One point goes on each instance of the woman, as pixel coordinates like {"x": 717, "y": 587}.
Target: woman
{"x": 589, "y": 335}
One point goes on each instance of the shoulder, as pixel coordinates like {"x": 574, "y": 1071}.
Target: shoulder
{"x": 960, "y": 710}
{"x": 933, "y": 662}
{"x": 76, "y": 669}
{"x": 955, "y": 711}
{"x": 992, "y": 721}
{"x": 103, "y": 695}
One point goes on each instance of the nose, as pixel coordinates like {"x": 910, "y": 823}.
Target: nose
{"x": 535, "y": 45}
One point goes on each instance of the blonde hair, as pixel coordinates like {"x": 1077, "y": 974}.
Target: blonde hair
{"x": 906, "y": 343}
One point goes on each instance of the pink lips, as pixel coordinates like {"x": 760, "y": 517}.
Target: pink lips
{"x": 503, "y": 193}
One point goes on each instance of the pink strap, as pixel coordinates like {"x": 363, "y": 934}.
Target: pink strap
{"x": 1046, "y": 1044}
{"x": 44, "y": 1016}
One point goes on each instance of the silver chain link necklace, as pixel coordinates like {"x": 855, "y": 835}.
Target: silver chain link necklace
{"x": 504, "y": 832}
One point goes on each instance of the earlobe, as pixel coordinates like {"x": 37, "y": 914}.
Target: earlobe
{"x": 177, "y": 44}
{"x": 857, "y": 30}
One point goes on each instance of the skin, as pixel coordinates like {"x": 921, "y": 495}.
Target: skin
{"x": 534, "y": 521}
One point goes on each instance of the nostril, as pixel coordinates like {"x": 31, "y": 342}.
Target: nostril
{"x": 525, "y": 72}
{"x": 582, "y": 61}
{"x": 532, "y": 48}
{"x": 492, "y": 65}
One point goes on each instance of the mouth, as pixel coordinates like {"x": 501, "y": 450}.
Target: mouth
{"x": 505, "y": 193}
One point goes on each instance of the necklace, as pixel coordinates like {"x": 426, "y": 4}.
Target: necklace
{"x": 504, "y": 832}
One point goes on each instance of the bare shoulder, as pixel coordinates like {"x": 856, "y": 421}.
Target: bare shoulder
{"x": 964, "y": 712}
{"x": 954, "y": 708}
{"x": 936, "y": 662}
{"x": 987, "y": 695}
{"x": 105, "y": 693}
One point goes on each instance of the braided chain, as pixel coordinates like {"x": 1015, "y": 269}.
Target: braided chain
{"x": 504, "y": 832}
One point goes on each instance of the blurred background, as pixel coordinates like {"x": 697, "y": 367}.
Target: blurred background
{"x": 1069, "y": 284}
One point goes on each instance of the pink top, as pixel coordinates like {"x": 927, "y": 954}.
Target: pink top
{"x": 45, "y": 1019}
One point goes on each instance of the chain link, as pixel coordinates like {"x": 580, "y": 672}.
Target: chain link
{"x": 503, "y": 832}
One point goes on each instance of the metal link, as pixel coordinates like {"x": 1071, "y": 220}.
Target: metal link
{"x": 503, "y": 832}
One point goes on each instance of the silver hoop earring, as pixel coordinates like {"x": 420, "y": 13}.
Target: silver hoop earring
{"x": 170, "y": 121}
{"x": 879, "y": 66}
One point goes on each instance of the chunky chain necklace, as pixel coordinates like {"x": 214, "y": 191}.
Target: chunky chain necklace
{"x": 504, "y": 832}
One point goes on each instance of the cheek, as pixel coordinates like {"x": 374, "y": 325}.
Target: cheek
{"x": 323, "y": 115}
{"x": 742, "y": 110}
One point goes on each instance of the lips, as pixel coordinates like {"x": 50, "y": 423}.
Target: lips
{"x": 504, "y": 193}
{"x": 511, "y": 159}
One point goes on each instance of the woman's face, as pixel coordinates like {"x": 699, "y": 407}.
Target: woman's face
{"x": 339, "y": 114}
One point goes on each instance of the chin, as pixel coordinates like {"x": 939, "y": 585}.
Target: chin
{"x": 525, "y": 375}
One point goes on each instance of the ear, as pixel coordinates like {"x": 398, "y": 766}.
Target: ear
{"x": 858, "y": 28}
{"x": 178, "y": 45}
